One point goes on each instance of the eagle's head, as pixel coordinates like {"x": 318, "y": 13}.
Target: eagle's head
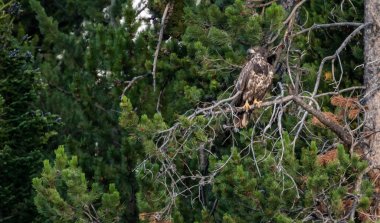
{"x": 257, "y": 51}
{"x": 261, "y": 52}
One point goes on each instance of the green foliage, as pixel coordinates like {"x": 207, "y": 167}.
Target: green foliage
{"x": 62, "y": 194}
{"x": 275, "y": 195}
{"x": 280, "y": 218}
{"x": 128, "y": 118}
{"x": 49, "y": 26}
{"x": 95, "y": 73}
{"x": 86, "y": 63}
{"x": 25, "y": 130}
{"x": 271, "y": 180}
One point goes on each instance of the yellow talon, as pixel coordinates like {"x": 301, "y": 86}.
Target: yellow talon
{"x": 246, "y": 106}
{"x": 257, "y": 103}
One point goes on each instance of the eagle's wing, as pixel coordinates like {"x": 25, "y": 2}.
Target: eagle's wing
{"x": 242, "y": 83}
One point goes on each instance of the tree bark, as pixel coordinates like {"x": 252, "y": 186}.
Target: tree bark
{"x": 372, "y": 79}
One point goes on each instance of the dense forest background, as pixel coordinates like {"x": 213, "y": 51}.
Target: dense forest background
{"x": 118, "y": 112}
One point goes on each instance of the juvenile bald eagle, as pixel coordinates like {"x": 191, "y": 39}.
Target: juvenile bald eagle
{"x": 253, "y": 82}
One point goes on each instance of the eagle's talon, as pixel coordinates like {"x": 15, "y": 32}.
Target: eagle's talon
{"x": 246, "y": 106}
{"x": 257, "y": 103}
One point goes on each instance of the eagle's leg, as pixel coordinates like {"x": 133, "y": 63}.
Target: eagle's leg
{"x": 257, "y": 103}
{"x": 246, "y": 106}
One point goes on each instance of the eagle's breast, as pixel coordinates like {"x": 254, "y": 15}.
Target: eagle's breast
{"x": 259, "y": 78}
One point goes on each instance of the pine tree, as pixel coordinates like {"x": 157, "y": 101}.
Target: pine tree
{"x": 25, "y": 130}
{"x": 64, "y": 196}
{"x": 86, "y": 64}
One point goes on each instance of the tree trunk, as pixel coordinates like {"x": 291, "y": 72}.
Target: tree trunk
{"x": 372, "y": 79}
{"x": 372, "y": 96}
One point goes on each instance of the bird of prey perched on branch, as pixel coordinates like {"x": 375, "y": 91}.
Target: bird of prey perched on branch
{"x": 253, "y": 82}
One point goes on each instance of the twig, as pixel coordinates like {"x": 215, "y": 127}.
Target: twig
{"x": 362, "y": 65}
{"x": 141, "y": 10}
{"x": 158, "y": 102}
{"x": 341, "y": 91}
{"x": 203, "y": 110}
{"x": 131, "y": 82}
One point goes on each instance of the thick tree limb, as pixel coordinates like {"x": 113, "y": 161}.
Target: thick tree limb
{"x": 269, "y": 103}
{"x": 341, "y": 132}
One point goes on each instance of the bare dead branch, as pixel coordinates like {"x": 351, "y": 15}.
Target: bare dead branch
{"x": 251, "y": 5}
{"x": 158, "y": 105}
{"x": 340, "y": 91}
{"x": 335, "y": 55}
{"x": 131, "y": 82}
{"x": 319, "y": 26}
{"x": 291, "y": 15}
{"x": 161, "y": 35}
{"x": 319, "y": 72}
{"x": 203, "y": 110}
{"x": 269, "y": 103}
{"x": 341, "y": 132}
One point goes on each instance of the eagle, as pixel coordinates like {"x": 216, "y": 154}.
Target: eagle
{"x": 254, "y": 81}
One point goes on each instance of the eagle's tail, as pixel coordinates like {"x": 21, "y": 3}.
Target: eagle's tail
{"x": 241, "y": 121}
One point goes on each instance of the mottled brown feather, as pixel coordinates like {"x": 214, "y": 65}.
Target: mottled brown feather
{"x": 254, "y": 81}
